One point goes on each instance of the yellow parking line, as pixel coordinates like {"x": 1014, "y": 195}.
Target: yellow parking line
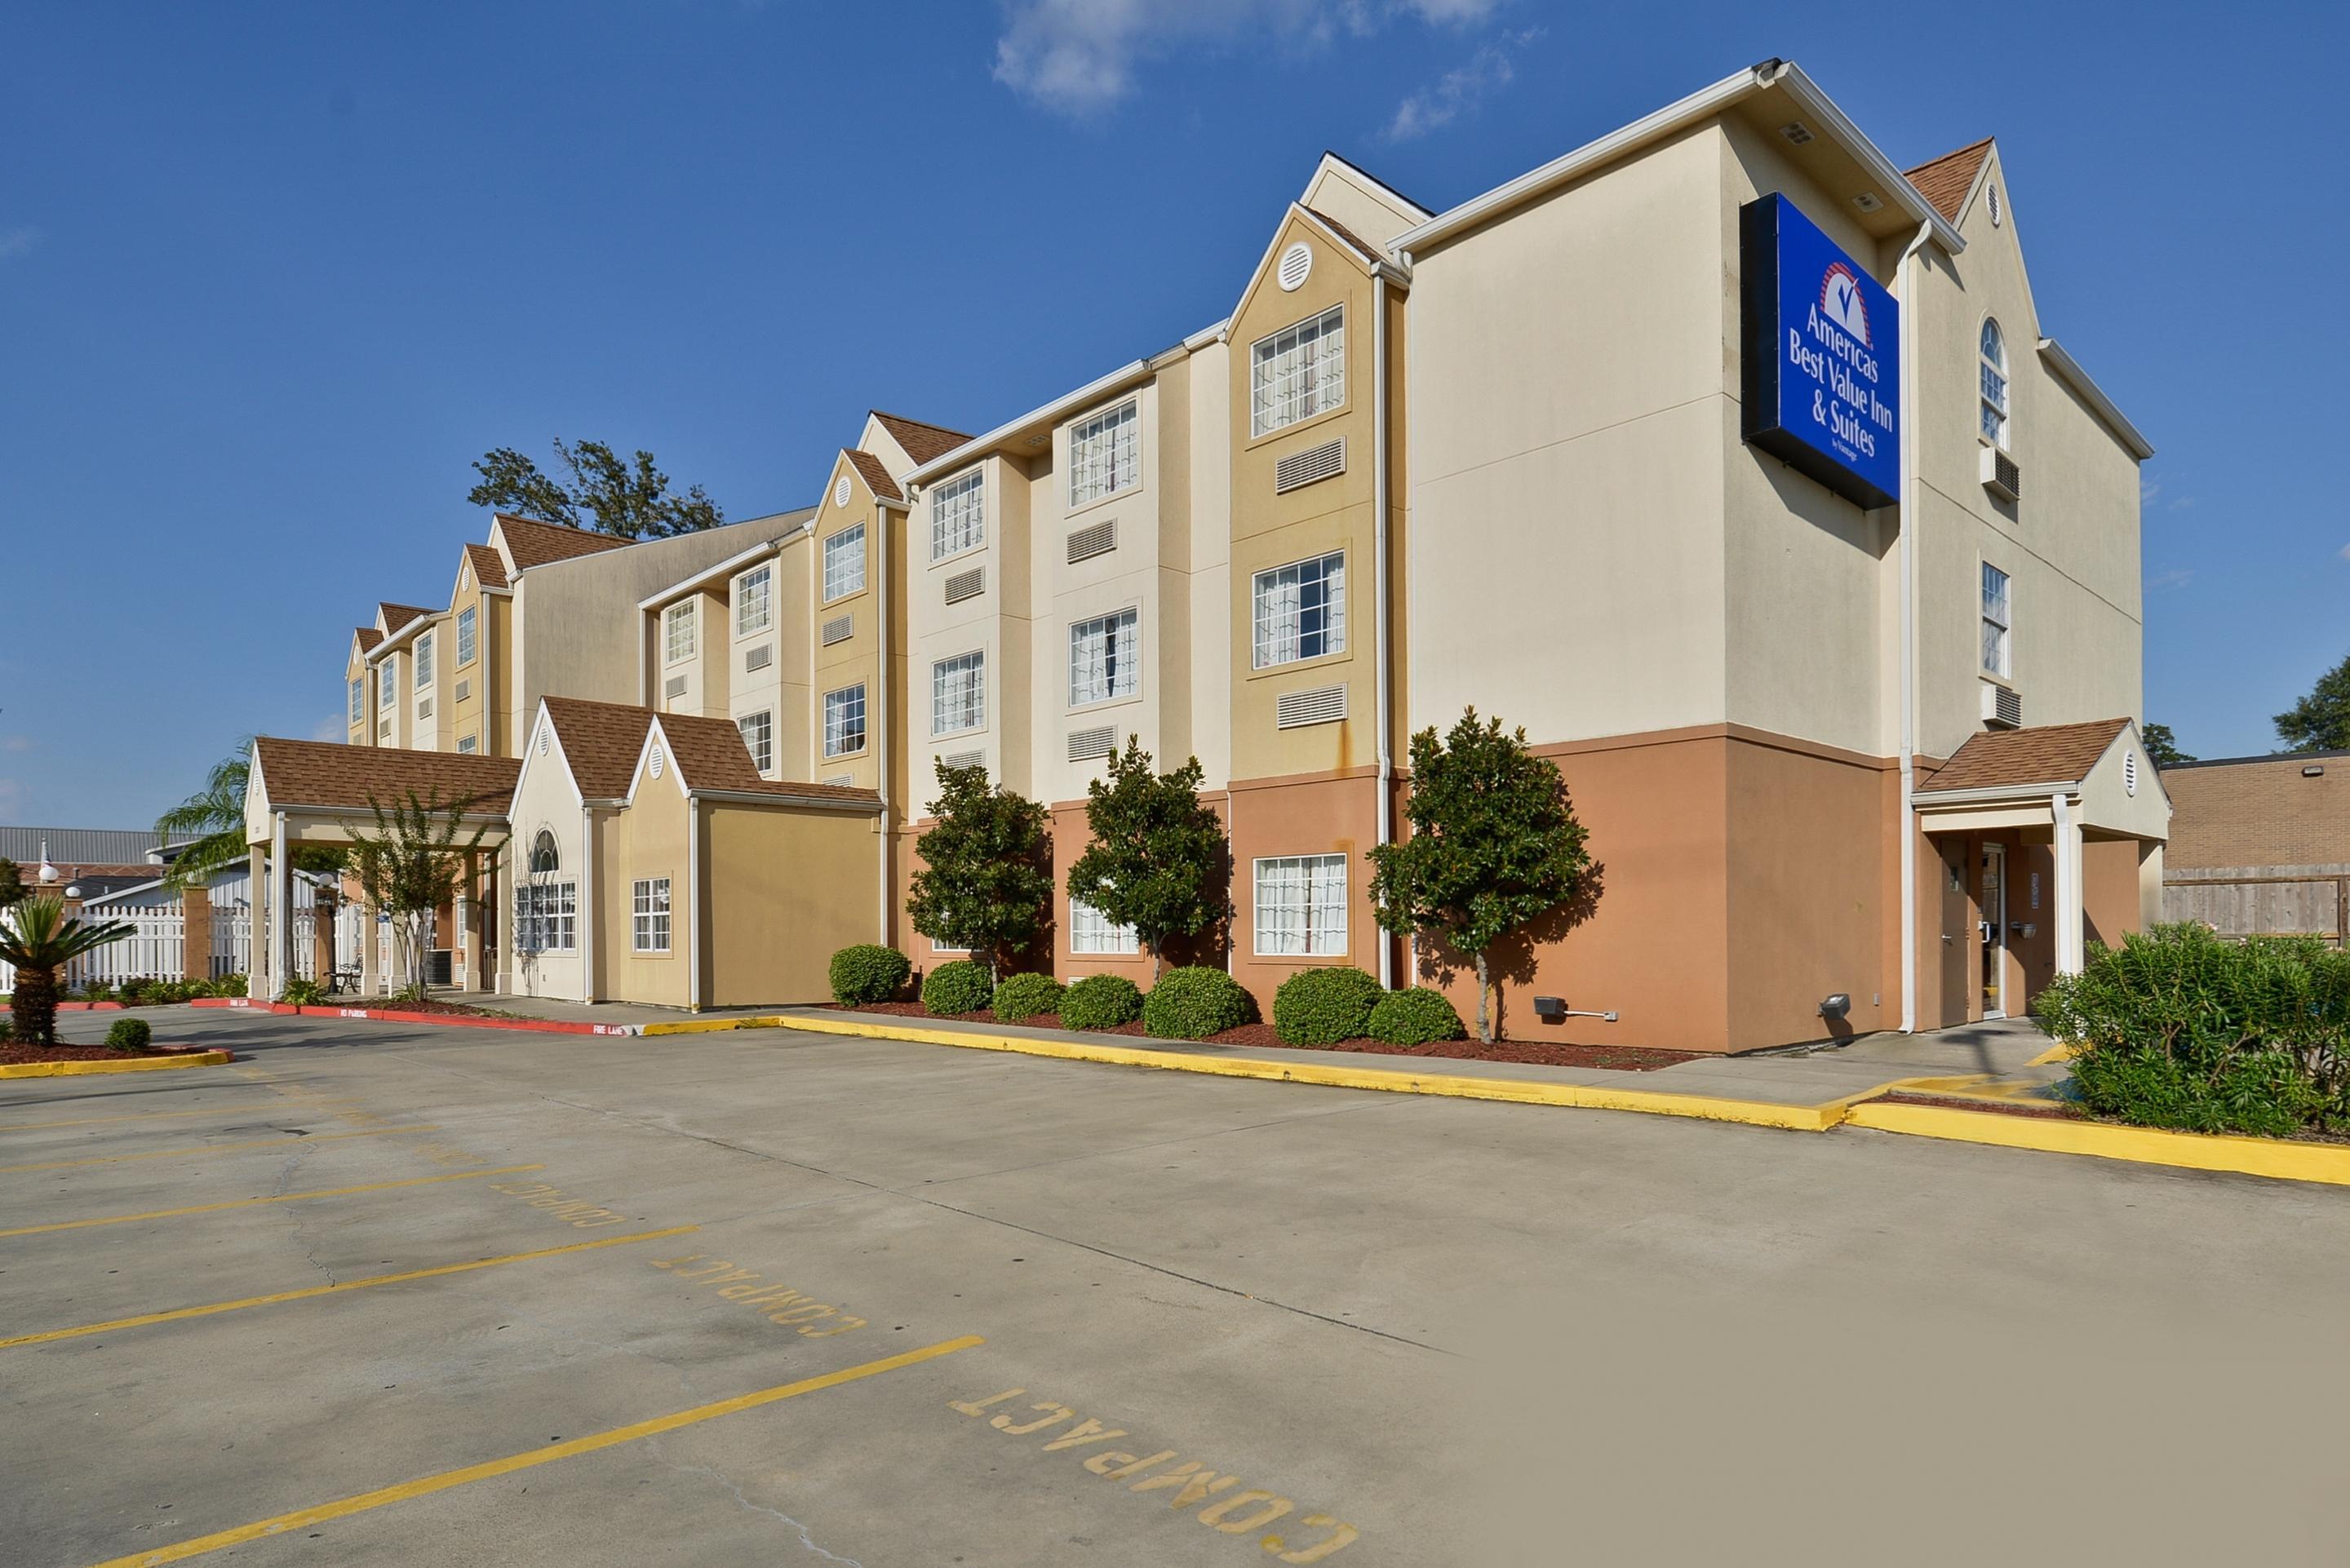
{"x": 208, "y": 1149}
{"x": 210, "y": 1308}
{"x": 424, "y": 1486}
{"x": 274, "y": 1198}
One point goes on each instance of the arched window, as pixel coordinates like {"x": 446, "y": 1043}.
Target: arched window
{"x": 1994, "y": 373}
{"x": 542, "y": 855}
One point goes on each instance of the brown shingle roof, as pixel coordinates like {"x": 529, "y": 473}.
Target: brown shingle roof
{"x": 877, "y": 478}
{"x": 534, "y": 543}
{"x": 323, "y": 773}
{"x": 398, "y": 615}
{"x": 369, "y": 638}
{"x": 601, "y": 740}
{"x": 2049, "y": 753}
{"x": 710, "y": 755}
{"x": 489, "y": 567}
{"x": 1371, "y": 252}
{"x": 922, "y": 441}
{"x": 1946, "y": 180}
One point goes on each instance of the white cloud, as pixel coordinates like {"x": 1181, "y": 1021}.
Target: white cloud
{"x": 17, "y": 242}
{"x": 12, "y": 795}
{"x": 330, "y": 728}
{"x": 2164, "y": 582}
{"x": 2346, "y": 552}
{"x": 16, "y": 742}
{"x": 1079, "y": 57}
{"x": 1460, "y": 89}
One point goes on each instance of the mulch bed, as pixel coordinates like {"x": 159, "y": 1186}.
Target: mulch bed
{"x": 429, "y": 1004}
{"x": 16, "y": 1055}
{"x": 1261, "y": 1037}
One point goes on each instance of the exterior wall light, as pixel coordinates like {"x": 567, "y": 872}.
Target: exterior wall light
{"x": 1838, "y": 1007}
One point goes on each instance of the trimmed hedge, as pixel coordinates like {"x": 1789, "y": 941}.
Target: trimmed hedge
{"x": 1100, "y": 1001}
{"x": 130, "y": 1035}
{"x": 1027, "y": 995}
{"x": 962, "y": 986}
{"x": 1414, "y": 1017}
{"x": 1324, "y": 1006}
{"x": 868, "y": 973}
{"x": 1192, "y": 1003}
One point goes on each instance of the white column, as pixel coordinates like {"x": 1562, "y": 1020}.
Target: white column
{"x": 458, "y": 912}
{"x": 256, "y": 894}
{"x": 589, "y": 913}
{"x": 370, "y": 961}
{"x": 2069, "y": 944}
{"x": 280, "y": 925}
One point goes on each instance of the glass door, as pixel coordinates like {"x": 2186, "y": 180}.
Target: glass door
{"x": 1994, "y": 931}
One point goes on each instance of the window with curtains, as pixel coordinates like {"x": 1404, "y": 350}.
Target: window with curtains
{"x": 1997, "y": 656}
{"x": 759, "y": 739}
{"x": 754, "y": 596}
{"x": 547, "y": 917}
{"x": 468, "y": 634}
{"x": 844, "y": 721}
{"x": 649, "y": 916}
{"x": 1091, "y": 931}
{"x": 678, "y": 628}
{"x": 1992, "y": 371}
{"x": 1101, "y": 658}
{"x": 959, "y": 516}
{"x": 1301, "y": 611}
{"x": 958, "y": 695}
{"x": 1103, "y": 454}
{"x": 1300, "y": 906}
{"x": 1298, "y": 372}
{"x": 844, "y": 562}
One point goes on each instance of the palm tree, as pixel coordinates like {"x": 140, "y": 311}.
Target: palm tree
{"x": 213, "y": 817}
{"x": 38, "y": 938}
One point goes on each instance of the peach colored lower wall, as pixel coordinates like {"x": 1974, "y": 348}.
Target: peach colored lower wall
{"x": 1304, "y": 815}
{"x": 2109, "y": 890}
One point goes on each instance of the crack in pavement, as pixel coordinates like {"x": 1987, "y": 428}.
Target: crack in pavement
{"x": 806, "y": 1539}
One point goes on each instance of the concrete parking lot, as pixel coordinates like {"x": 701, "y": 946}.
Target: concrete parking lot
{"x": 376, "y": 1293}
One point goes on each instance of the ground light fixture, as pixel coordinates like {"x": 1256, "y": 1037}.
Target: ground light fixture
{"x": 1555, "y": 1010}
{"x": 1837, "y": 1007}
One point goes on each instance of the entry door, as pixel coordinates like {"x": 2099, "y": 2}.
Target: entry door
{"x": 1958, "y": 934}
{"x": 1994, "y": 931}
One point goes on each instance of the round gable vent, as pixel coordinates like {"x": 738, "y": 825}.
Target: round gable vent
{"x": 654, "y": 764}
{"x": 1297, "y": 264}
{"x": 840, "y": 490}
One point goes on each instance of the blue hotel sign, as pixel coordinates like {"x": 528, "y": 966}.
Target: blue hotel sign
{"x": 1821, "y": 373}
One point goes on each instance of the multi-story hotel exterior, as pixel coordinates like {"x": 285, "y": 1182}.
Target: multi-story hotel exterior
{"x": 1849, "y": 714}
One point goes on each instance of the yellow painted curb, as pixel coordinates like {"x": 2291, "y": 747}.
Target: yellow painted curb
{"x": 128, "y": 1065}
{"x": 1516, "y": 1091}
{"x": 2274, "y": 1157}
{"x": 2060, "y": 1052}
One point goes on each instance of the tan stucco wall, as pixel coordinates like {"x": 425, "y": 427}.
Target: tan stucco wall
{"x": 648, "y": 839}
{"x": 788, "y": 888}
{"x": 857, "y": 659}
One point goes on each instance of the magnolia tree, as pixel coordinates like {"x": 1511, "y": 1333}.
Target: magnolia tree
{"x": 1494, "y": 846}
{"x": 983, "y": 884}
{"x": 412, "y": 864}
{"x": 1158, "y": 857}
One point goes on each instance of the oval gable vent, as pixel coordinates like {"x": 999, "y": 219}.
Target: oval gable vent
{"x": 840, "y": 490}
{"x": 655, "y": 764}
{"x": 1296, "y": 266}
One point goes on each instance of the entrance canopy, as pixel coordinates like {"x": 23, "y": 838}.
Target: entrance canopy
{"x": 322, "y": 790}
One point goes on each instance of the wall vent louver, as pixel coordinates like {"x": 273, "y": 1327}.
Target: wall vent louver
{"x": 839, "y": 628}
{"x": 464, "y": 690}
{"x": 2002, "y": 708}
{"x": 383, "y": 734}
{"x": 846, "y": 781}
{"x": 966, "y": 585}
{"x": 1094, "y": 539}
{"x": 2001, "y": 476}
{"x": 759, "y": 658}
{"x": 424, "y": 709}
{"x": 675, "y": 688}
{"x": 964, "y": 759}
{"x": 1321, "y": 705}
{"x": 1316, "y": 462}
{"x": 1085, "y": 745}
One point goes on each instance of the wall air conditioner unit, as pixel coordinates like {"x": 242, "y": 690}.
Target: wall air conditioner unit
{"x": 1085, "y": 745}
{"x": 759, "y": 658}
{"x": 2002, "y": 709}
{"x": 1297, "y": 710}
{"x": 966, "y": 585}
{"x": 675, "y": 688}
{"x": 1310, "y": 466}
{"x": 1094, "y": 539}
{"x": 2001, "y": 476}
{"x": 839, "y": 628}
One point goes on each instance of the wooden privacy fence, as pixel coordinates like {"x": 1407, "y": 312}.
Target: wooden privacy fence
{"x": 2262, "y": 900}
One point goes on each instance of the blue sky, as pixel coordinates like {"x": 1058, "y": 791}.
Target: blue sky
{"x": 272, "y": 275}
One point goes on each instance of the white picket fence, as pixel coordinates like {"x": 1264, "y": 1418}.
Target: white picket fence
{"x": 157, "y": 948}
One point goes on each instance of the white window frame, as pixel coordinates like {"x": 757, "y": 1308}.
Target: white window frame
{"x": 648, "y": 915}
{"x": 358, "y": 701}
{"x": 1105, "y": 658}
{"x": 1106, "y": 454}
{"x": 958, "y": 690}
{"x": 754, "y": 600}
{"x": 1993, "y": 388}
{"x": 1298, "y": 372}
{"x": 547, "y": 917}
{"x": 1093, "y": 933}
{"x": 1998, "y": 653}
{"x": 762, "y": 749}
{"x": 386, "y": 685}
{"x": 844, "y": 562}
{"x": 959, "y": 514}
{"x": 838, "y": 705}
{"x": 1278, "y": 611}
{"x": 677, "y": 648}
{"x": 420, "y": 664}
{"x": 468, "y": 636}
{"x": 469, "y": 743}
{"x": 1319, "y": 928}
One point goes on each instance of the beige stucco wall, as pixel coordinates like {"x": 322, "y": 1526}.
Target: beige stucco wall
{"x": 857, "y": 660}
{"x": 790, "y": 886}
{"x": 545, "y": 799}
{"x": 1360, "y": 202}
{"x": 1206, "y": 561}
{"x": 648, "y": 839}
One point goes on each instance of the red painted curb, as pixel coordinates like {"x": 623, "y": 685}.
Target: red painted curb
{"x": 531, "y": 1025}
{"x": 89, "y": 1007}
{"x": 241, "y": 1001}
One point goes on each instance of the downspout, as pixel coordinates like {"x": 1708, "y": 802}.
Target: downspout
{"x": 1381, "y": 620}
{"x": 880, "y": 717}
{"x": 694, "y": 885}
{"x": 588, "y": 893}
{"x": 1909, "y": 543}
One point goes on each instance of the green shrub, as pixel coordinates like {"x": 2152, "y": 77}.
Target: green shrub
{"x": 1027, "y": 995}
{"x": 868, "y": 973}
{"x": 1100, "y": 1001}
{"x": 1324, "y": 1006}
{"x": 1194, "y": 1003}
{"x": 1414, "y": 1017}
{"x": 301, "y": 992}
{"x": 962, "y": 986}
{"x": 230, "y": 986}
{"x": 130, "y": 1035}
{"x": 2179, "y": 1028}
{"x": 96, "y": 991}
{"x": 7, "y": 1029}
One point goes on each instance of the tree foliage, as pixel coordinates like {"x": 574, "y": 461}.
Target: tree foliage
{"x": 413, "y": 863}
{"x": 983, "y": 885}
{"x": 2162, "y": 746}
{"x": 212, "y": 822}
{"x": 12, "y": 884}
{"x": 2321, "y": 721}
{"x": 38, "y": 938}
{"x": 606, "y": 493}
{"x": 1158, "y": 857}
{"x": 1494, "y": 845}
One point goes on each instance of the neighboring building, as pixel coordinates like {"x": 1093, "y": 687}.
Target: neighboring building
{"x": 28, "y": 847}
{"x": 2260, "y": 846}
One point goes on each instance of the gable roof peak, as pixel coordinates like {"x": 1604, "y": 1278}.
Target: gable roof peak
{"x": 921, "y": 439}
{"x": 1947, "y": 182}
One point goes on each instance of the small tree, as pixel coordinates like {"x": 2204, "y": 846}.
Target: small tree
{"x": 2162, "y": 746}
{"x": 1157, "y": 858}
{"x": 607, "y": 493}
{"x": 1494, "y": 845}
{"x": 411, "y": 864}
{"x": 38, "y": 938}
{"x": 983, "y": 884}
{"x": 2321, "y": 721}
